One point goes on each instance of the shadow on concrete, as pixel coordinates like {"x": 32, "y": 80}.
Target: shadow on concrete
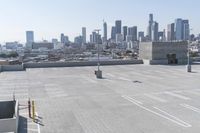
{"x": 23, "y": 125}
{"x": 194, "y": 72}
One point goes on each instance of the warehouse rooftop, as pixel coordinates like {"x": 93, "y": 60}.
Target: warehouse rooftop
{"x": 130, "y": 98}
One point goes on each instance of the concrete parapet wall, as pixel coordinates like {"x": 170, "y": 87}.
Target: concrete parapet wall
{"x": 85, "y": 63}
{"x": 11, "y": 68}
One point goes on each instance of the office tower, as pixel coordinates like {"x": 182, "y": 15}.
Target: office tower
{"x": 160, "y": 35}
{"x": 141, "y": 36}
{"x": 91, "y": 39}
{"x": 118, "y": 25}
{"x": 154, "y": 33}
{"x": 186, "y": 30}
{"x": 125, "y": 32}
{"x": 164, "y": 36}
{"x": 119, "y": 38}
{"x": 178, "y": 29}
{"x": 84, "y": 34}
{"x": 170, "y": 32}
{"x": 62, "y": 36}
{"x": 132, "y": 31}
{"x": 29, "y": 38}
{"x": 78, "y": 40}
{"x": 95, "y": 38}
{"x": 113, "y": 32}
{"x": 149, "y": 29}
{"x": 105, "y": 32}
{"x": 64, "y": 39}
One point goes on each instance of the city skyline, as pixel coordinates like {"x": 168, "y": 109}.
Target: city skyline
{"x": 53, "y": 18}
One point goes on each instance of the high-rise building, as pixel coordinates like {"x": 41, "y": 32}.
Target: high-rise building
{"x": 132, "y": 31}
{"x": 186, "y": 30}
{"x": 178, "y": 29}
{"x": 149, "y": 28}
{"x": 170, "y": 32}
{"x": 125, "y": 32}
{"x": 113, "y": 32}
{"x": 64, "y": 39}
{"x": 95, "y": 38}
{"x": 182, "y": 29}
{"x": 84, "y": 35}
{"x": 154, "y": 33}
{"x": 141, "y": 36}
{"x": 105, "y": 36}
{"x": 118, "y": 25}
{"x": 119, "y": 38}
{"x": 29, "y": 38}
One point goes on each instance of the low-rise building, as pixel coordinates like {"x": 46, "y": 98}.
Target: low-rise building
{"x": 163, "y": 52}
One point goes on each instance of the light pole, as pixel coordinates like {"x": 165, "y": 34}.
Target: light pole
{"x": 189, "y": 67}
{"x": 98, "y": 73}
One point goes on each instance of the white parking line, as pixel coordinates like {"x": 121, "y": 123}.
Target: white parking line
{"x": 176, "y": 120}
{"x": 125, "y": 79}
{"x": 132, "y": 100}
{"x": 177, "y": 95}
{"x": 195, "y": 109}
{"x": 172, "y": 119}
{"x": 155, "y": 98}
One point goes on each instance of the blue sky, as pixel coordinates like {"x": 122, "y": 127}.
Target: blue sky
{"x": 49, "y": 18}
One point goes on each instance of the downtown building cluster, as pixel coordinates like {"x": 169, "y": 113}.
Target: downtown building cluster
{"x": 121, "y": 36}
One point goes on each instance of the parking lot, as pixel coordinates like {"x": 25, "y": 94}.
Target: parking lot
{"x": 129, "y": 98}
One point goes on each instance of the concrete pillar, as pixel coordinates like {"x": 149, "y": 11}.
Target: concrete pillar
{"x": 0, "y": 68}
{"x": 98, "y": 74}
{"x": 189, "y": 68}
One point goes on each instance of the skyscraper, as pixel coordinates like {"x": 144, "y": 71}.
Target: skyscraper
{"x": 141, "y": 36}
{"x": 64, "y": 39}
{"x": 132, "y": 31}
{"x": 149, "y": 28}
{"x": 118, "y": 25}
{"x": 178, "y": 29}
{"x": 84, "y": 35}
{"x": 170, "y": 32}
{"x": 62, "y": 36}
{"x": 186, "y": 30}
{"x": 113, "y": 32}
{"x": 154, "y": 33}
{"x": 105, "y": 32}
{"x": 125, "y": 32}
{"x": 29, "y": 38}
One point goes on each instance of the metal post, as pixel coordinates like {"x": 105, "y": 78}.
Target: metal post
{"x": 98, "y": 72}
{"x": 189, "y": 68}
{"x": 33, "y": 110}
{"x": 29, "y": 108}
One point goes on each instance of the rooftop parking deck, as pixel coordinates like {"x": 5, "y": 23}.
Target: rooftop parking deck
{"x": 129, "y": 99}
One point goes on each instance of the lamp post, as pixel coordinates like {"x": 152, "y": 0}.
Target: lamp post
{"x": 98, "y": 73}
{"x": 189, "y": 67}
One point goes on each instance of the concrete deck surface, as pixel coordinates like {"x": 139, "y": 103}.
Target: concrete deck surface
{"x": 130, "y": 99}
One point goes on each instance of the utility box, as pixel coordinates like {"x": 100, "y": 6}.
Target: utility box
{"x": 9, "y": 116}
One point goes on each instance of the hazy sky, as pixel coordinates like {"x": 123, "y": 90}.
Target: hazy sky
{"x": 49, "y": 18}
